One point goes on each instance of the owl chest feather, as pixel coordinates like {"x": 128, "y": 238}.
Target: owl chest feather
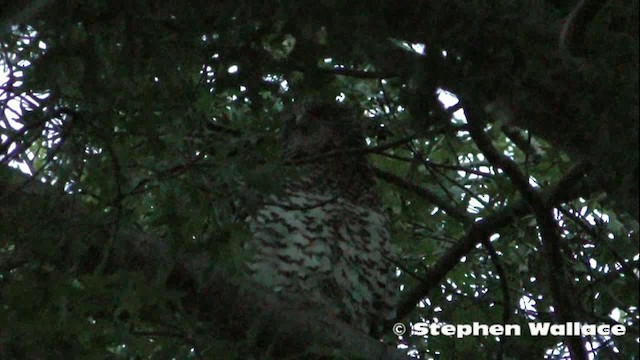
{"x": 329, "y": 241}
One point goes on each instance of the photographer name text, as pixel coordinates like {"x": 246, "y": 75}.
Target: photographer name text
{"x": 534, "y": 329}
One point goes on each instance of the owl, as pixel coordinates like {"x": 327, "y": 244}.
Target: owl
{"x": 327, "y": 238}
{"x": 325, "y": 242}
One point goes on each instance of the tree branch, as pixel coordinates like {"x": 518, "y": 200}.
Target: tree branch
{"x": 353, "y": 151}
{"x": 568, "y": 188}
{"x": 454, "y": 212}
{"x": 235, "y": 305}
{"x": 560, "y": 288}
{"x": 575, "y": 25}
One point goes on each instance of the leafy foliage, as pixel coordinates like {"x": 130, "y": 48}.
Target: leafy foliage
{"x": 165, "y": 120}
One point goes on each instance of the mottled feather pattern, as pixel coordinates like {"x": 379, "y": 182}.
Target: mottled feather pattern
{"x": 327, "y": 239}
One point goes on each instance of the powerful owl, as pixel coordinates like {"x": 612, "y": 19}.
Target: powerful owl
{"x": 327, "y": 237}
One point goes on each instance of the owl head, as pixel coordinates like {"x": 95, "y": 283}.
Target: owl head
{"x": 318, "y": 128}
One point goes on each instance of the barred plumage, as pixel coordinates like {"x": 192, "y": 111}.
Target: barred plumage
{"x": 327, "y": 238}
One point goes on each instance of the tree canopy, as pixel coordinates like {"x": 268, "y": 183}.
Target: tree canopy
{"x": 503, "y": 136}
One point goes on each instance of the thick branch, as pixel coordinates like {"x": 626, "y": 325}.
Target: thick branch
{"x": 574, "y": 28}
{"x": 237, "y": 305}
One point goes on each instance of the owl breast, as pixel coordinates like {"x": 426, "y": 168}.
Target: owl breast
{"x": 330, "y": 248}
